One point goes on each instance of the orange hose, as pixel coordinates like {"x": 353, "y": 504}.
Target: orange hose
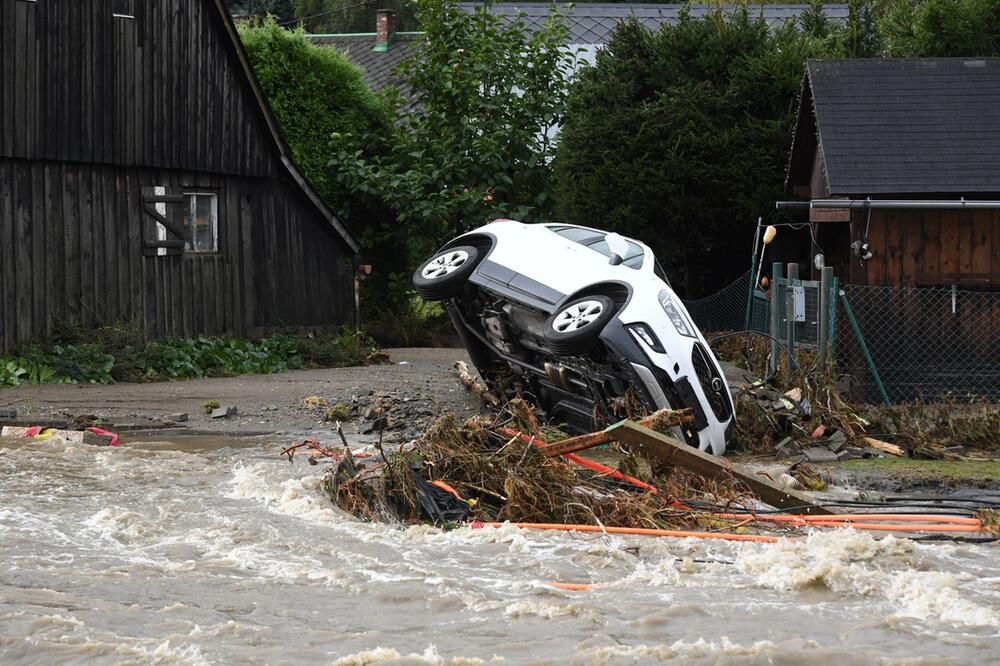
{"x": 897, "y": 527}
{"x": 852, "y": 517}
{"x": 573, "y": 587}
{"x": 586, "y": 462}
{"x": 641, "y": 531}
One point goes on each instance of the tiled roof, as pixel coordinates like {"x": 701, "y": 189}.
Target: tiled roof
{"x": 593, "y": 23}
{"x": 895, "y": 125}
{"x": 377, "y": 67}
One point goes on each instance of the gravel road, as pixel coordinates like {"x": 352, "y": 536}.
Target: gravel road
{"x": 420, "y": 383}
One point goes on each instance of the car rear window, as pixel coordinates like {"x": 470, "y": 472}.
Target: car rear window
{"x": 577, "y": 234}
{"x": 595, "y": 241}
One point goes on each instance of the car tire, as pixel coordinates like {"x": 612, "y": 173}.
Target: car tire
{"x": 577, "y": 325}
{"x": 443, "y": 275}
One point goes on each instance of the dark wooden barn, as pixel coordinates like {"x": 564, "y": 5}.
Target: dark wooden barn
{"x": 143, "y": 179}
{"x": 916, "y": 137}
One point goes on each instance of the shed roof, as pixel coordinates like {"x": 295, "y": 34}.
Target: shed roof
{"x": 901, "y": 125}
{"x": 593, "y": 22}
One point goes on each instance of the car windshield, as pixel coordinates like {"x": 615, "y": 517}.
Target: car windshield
{"x": 595, "y": 241}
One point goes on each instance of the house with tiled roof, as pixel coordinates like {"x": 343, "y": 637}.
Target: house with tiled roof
{"x": 590, "y": 27}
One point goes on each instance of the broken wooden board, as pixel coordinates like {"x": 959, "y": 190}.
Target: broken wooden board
{"x": 671, "y": 451}
{"x": 590, "y": 440}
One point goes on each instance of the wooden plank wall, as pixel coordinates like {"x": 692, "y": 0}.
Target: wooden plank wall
{"x": 71, "y": 253}
{"x": 161, "y": 90}
{"x": 929, "y": 247}
{"x": 95, "y": 108}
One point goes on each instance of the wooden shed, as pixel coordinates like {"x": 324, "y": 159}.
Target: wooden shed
{"x": 913, "y": 147}
{"x": 143, "y": 178}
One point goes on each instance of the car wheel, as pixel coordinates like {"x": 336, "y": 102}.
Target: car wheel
{"x": 577, "y": 325}
{"x": 443, "y": 275}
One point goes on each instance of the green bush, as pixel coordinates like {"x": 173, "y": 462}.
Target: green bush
{"x": 315, "y": 94}
{"x": 681, "y": 137}
{"x": 116, "y": 357}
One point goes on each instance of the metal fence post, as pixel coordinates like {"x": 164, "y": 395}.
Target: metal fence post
{"x": 793, "y": 275}
{"x": 864, "y": 349}
{"x": 776, "y": 269}
{"x": 823, "y": 338}
{"x": 753, "y": 273}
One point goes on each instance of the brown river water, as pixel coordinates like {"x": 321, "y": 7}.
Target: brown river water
{"x": 205, "y": 551}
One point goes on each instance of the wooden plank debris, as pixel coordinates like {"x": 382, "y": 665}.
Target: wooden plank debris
{"x": 673, "y": 452}
{"x": 590, "y": 440}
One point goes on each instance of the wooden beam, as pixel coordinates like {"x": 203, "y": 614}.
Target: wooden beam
{"x": 673, "y": 452}
{"x": 592, "y": 439}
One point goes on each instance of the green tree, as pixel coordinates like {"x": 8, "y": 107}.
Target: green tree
{"x": 681, "y": 138}
{"x": 932, "y": 28}
{"x": 478, "y": 142}
{"x": 315, "y": 93}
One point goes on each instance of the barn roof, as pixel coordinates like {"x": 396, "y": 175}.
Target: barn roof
{"x": 284, "y": 151}
{"x": 593, "y": 22}
{"x": 895, "y": 125}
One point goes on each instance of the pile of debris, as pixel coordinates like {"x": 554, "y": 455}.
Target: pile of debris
{"x": 497, "y": 468}
{"x": 396, "y": 415}
{"x": 804, "y": 416}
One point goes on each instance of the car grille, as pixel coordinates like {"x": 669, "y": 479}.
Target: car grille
{"x": 707, "y": 374}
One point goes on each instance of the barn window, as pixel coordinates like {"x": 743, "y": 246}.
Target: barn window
{"x": 123, "y": 8}
{"x": 200, "y": 219}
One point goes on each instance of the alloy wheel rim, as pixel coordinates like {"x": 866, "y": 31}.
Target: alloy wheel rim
{"x": 445, "y": 264}
{"x": 577, "y": 316}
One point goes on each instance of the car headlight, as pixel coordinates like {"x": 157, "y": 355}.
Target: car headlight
{"x": 674, "y": 315}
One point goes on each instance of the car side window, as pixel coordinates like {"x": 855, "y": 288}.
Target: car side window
{"x": 632, "y": 260}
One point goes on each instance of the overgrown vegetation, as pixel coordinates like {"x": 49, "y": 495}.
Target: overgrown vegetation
{"x": 123, "y": 353}
{"x": 315, "y": 93}
{"x": 475, "y": 146}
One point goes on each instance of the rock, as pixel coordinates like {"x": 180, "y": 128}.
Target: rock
{"x": 786, "y": 448}
{"x": 179, "y": 417}
{"x": 819, "y": 454}
{"x": 223, "y": 412}
{"x": 8, "y": 413}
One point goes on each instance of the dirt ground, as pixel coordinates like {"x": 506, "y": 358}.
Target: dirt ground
{"x": 420, "y": 382}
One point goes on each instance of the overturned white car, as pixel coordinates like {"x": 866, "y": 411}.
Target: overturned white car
{"x": 583, "y": 319}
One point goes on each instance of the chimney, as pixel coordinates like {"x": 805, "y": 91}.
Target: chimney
{"x": 385, "y": 29}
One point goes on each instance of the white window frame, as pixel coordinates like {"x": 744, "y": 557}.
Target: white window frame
{"x": 190, "y": 207}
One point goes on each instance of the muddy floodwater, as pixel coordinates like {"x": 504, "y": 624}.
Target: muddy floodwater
{"x": 206, "y": 551}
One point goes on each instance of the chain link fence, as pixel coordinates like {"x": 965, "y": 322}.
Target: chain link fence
{"x": 925, "y": 343}
{"x": 726, "y": 310}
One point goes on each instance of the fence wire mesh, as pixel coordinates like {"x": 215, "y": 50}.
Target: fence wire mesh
{"x": 928, "y": 343}
{"x": 726, "y": 309}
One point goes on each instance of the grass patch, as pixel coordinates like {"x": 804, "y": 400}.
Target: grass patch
{"x": 913, "y": 470}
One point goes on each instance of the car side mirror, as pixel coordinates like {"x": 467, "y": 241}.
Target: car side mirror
{"x": 618, "y": 247}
